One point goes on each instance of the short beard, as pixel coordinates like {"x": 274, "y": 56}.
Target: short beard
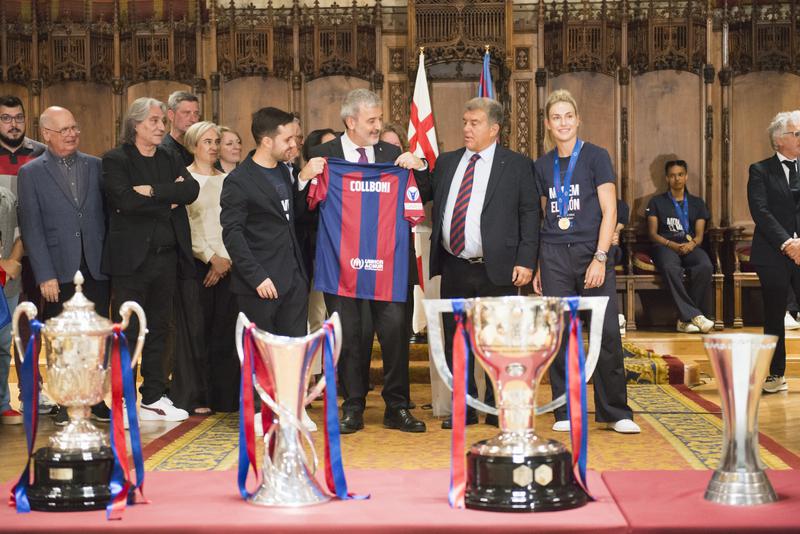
{"x": 13, "y": 143}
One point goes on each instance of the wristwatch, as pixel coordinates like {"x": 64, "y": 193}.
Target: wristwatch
{"x": 601, "y": 256}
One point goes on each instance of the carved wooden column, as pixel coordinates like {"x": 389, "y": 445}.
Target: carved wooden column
{"x": 3, "y": 44}
{"x": 35, "y": 88}
{"x": 295, "y": 102}
{"x": 199, "y": 83}
{"x": 707, "y": 149}
{"x": 541, "y": 81}
{"x": 214, "y": 78}
{"x": 725, "y": 78}
{"x": 624, "y": 80}
{"x": 377, "y": 74}
{"x": 117, "y": 85}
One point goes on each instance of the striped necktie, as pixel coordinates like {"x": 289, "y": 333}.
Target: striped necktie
{"x": 459, "y": 219}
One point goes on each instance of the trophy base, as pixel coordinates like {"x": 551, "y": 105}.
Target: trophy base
{"x": 71, "y": 481}
{"x": 740, "y": 489}
{"x": 540, "y": 483}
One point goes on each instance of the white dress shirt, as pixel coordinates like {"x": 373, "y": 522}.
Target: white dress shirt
{"x": 783, "y": 158}
{"x": 473, "y": 246}
{"x": 350, "y": 150}
{"x": 204, "y": 219}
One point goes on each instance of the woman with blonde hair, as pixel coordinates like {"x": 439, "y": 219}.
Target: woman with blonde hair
{"x": 230, "y": 150}
{"x": 206, "y": 376}
{"x": 576, "y": 184}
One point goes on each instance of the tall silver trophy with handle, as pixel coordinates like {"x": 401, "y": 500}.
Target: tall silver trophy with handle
{"x": 740, "y": 363}
{"x": 515, "y": 339}
{"x": 73, "y": 472}
{"x": 288, "y": 475}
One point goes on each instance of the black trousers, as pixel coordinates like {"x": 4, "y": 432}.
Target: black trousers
{"x": 219, "y": 323}
{"x": 153, "y": 287}
{"x": 563, "y": 268}
{"x": 776, "y": 283}
{"x": 696, "y": 299}
{"x": 286, "y": 315}
{"x": 388, "y": 320}
{"x": 462, "y": 279}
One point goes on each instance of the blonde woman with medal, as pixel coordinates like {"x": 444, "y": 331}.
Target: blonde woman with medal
{"x": 676, "y": 221}
{"x": 576, "y": 184}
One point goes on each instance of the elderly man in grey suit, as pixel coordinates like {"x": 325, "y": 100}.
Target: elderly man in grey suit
{"x": 62, "y": 219}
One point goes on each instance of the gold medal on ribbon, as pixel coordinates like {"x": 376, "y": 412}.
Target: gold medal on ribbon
{"x": 563, "y": 223}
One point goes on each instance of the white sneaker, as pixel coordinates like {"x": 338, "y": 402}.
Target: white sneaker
{"x": 622, "y": 324}
{"x": 774, "y": 384}
{"x": 310, "y": 425}
{"x": 625, "y": 426}
{"x": 46, "y": 405}
{"x": 686, "y": 328}
{"x": 703, "y": 323}
{"x": 790, "y": 323}
{"x": 162, "y": 410}
{"x": 561, "y": 426}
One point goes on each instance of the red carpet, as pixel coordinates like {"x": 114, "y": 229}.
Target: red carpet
{"x": 672, "y": 501}
{"x": 402, "y": 502}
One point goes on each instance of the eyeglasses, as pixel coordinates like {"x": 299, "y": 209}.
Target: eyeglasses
{"x": 65, "y": 131}
{"x": 8, "y": 119}
{"x": 795, "y": 133}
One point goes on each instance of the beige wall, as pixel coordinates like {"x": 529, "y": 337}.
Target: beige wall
{"x": 756, "y": 98}
{"x": 665, "y": 123}
{"x": 240, "y": 97}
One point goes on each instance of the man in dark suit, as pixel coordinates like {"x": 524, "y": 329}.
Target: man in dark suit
{"x": 149, "y": 243}
{"x": 773, "y": 192}
{"x": 362, "y": 113}
{"x": 62, "y": 217}
{"x": 259, "y": 206}
{"x": 484, "y": 240}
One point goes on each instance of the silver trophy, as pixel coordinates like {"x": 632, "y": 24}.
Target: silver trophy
{"x": 740, "y": 363}
{"x": 515, "y": 339}
{"x": 73, "y": 472}
{"x": 288, "y": 476}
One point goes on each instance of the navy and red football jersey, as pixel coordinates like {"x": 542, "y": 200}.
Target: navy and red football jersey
{"x": 366, "y": 211}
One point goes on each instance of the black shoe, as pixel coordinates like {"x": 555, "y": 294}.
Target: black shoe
{"x": 61, "y": 418}
{"x": 351, "y": 423}
{"x": 472, "y": 419}
{"x": 402, "y": 419}
{"x": 100, "y": 412}
{"x": 419, "y": 339}
{"x": 492, "y": 420}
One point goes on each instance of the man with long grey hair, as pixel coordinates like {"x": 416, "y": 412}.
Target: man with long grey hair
{"x": 773, "y": 192}
{"x": 149, "y": 242}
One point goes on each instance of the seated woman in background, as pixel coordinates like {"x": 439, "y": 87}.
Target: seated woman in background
{"x": 676, "y": 221}
{"x": 230, "y": 150}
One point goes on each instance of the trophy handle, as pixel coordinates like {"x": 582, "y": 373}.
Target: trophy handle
{"x": 28, "y": 309}
{"x": 337, "y": 349}
{"x": 241, "y": 322}
{"x": 434, "y": 309}
{"x": 128, "y": 307}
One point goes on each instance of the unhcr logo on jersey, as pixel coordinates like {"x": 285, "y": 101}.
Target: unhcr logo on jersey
{"x": 370, "y": 187}
{"x": 366, "y": 264}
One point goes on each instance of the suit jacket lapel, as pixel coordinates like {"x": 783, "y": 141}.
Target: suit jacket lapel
{"x": 83, "y": 178}
{"x": 337, "y": 151}
{"x": 267, "y": 188}
{"x": 780, "y": 176}
{"x": 498, "y": 166}
{"x": 55, "y": 173}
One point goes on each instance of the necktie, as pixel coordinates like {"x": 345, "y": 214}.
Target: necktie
{"x": 362, "y": 155}
{"x": 794, "y": 179}
{"x": 459, "y": 218}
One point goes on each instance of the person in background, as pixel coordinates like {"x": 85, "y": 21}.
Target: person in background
{"x": 63, "y": 220}
{"x": 183, "y": 110}
{"x": 230, "y": 150}
{"x": 16, "y": 149}
{"x": 676, "y": 222}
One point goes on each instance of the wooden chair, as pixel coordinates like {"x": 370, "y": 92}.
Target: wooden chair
{"x": 742, "y": 275}
{"x": 634, "y": 280}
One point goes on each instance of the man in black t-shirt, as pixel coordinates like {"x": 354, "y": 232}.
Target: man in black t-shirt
{"x": 676, "y": 221}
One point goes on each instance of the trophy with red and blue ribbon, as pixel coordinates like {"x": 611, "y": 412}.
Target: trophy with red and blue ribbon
{"x": 85, "y": 352}
{"x": 515, "y": 339}
{"x": 279, "y": 369}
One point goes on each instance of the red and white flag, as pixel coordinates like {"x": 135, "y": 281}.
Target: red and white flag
{"x": 421, "y": 131}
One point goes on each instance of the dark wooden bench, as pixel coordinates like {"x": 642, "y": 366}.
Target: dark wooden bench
{"x": 632, "y": 281}
{"x": 740, "y": 278}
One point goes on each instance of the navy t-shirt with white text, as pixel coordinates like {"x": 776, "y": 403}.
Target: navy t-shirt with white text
{"x": 592, "y": 170}
{"x": 669, "y": 223}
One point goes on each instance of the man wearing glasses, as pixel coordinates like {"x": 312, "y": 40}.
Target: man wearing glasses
{"x": 773, "y": 192}
{"x": 15, "y": 151}
{"x": 62, "y": 221}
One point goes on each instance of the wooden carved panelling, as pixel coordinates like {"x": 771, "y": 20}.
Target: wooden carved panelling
{"x": 667, "y": 35}
{"x": 582, "y": 37}
{"x": 765, "y": 37}
{"x": 523, "y": 109}
{"x": 398, "y": 102}
{"x": 18, "y": 50}
{"x": 245, "y": 38}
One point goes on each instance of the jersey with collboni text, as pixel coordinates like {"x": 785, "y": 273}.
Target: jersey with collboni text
{"x": 366, "y": 211}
